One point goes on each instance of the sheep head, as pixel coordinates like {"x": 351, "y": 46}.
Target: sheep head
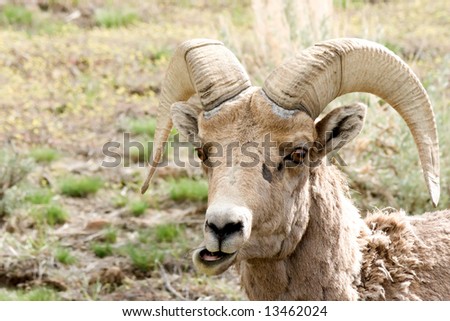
{"x": 259, "y": 146}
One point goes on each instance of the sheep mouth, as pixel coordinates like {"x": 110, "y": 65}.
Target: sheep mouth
{"x": 213, "y": 263}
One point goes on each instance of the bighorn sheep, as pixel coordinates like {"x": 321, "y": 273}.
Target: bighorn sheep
{"x": 289, "y": 227}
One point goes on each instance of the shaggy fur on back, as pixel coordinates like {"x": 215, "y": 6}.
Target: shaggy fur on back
{"x": 401, "y": 256}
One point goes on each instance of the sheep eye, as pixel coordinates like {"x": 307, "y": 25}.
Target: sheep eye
{"x": 201, "y": 154}
{"x": 297, "y": 156}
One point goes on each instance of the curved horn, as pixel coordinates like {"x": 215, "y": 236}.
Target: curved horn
{"x": 201, "y": 66}
{"x": 329, "y": 69}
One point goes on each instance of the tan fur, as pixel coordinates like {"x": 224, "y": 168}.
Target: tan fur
{"x": 308, "y": 241}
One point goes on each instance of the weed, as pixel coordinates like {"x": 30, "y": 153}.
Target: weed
{"x": 39, "y": 197}
{"x": 64, "y": 256}
{"x": 137, "y": 208}
{"x": 44, "y": 154}
{"x": 102, "y": 250}
{"x": 167, "y": 232}
{"x": 141, "y": 126}
{"x": 80, "y": 186}
{"x": 16, "y": 15}
{"x": 35, "y": 294}
{"x": 144, "y": 259}
{"x": 119, "y": 201}
{"x": 14, "y": 168}
{"x": 110, "y": 235}
{"x": 50, "y": 214}
{"x": 186, "y": 189}
{"x": 115, "y": 18}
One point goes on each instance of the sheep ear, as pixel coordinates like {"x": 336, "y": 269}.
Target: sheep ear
{"x": 339, "y": 127}
{"x": 184, "y": 117}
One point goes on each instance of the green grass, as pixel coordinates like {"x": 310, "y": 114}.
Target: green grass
{"x": 102, "y": 250}
{"x": 81, "y": 186}
{"x": 110, "y": 235}
{"x": 39, "y": 197}
{"x": 141, "y": 126}
{"x": 144, "y": 259}
{"x": 186, "y": 189}
{"x": 64, "y": 256}
{"x": 119, "y": 201}
{"x": 15, "y": 15}
{"x": 167, "y": 232}
{"x": 50, "y": 214}
{"x": 138, "y": 208}
{"x": 115, "y": 18}
{"x": 35, "y": 294}
{"x": 44, "y": 154}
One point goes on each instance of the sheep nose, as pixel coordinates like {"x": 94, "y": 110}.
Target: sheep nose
{"x": 228, "y": 229}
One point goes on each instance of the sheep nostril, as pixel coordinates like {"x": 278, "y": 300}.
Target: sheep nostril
{"x": 228, "y": 229}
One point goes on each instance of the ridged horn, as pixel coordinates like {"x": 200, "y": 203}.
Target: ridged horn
{"x": 201, "y": 66}
{"x": 329, "y": 69}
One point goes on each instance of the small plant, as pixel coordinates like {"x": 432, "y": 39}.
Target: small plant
{"x": 50, "y": 214}
{"x": 167, "y": 232}
{"x": 64, "y": 256}
{"x": 44, "y": 155}
{"x": 13, "y": 170}
{"x": 144, "y": 260}
{"x": 102, "y": 250}
{"x": 115, "y": 18}
{"x": 39, "y": 197}
{"x": 137, "y": 208}
{"x": 110, "y": 235}
{"x": 16, "y": 15}
{"x": 141, "y": 126}
{"x": 35, "y": 294}
{"x": 186, "y": 189}
{"x": 80, "y": 186}
{"x": 119, "y": 201}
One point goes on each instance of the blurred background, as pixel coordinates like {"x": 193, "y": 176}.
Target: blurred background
{"x": 76, "y": 74}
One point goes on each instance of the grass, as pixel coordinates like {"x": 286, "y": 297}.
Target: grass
{"x": 15, "y": 15}
{"x": 167, "y": 232}
{"x": 39, "y": 197}
{"x": 115, "y": 18}
{"x": 141, "y": 126}
{"x": 185, "y": 189}
{"x": 14, "y": 169}
{"x": 81, "y": 186}
{"x": 102, "y": 250}
{"x": 50, "y": 214}
{"x": 145, "y": 259}
{"x": 35, "y": 294}
{"x": 138, "y": 208}
{"x": 44, "y": 154}
{"x": 110, "y": 235}
{"x": 64, "y": 256}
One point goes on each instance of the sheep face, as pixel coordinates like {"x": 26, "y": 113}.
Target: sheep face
{"x": 258, "y": 160}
